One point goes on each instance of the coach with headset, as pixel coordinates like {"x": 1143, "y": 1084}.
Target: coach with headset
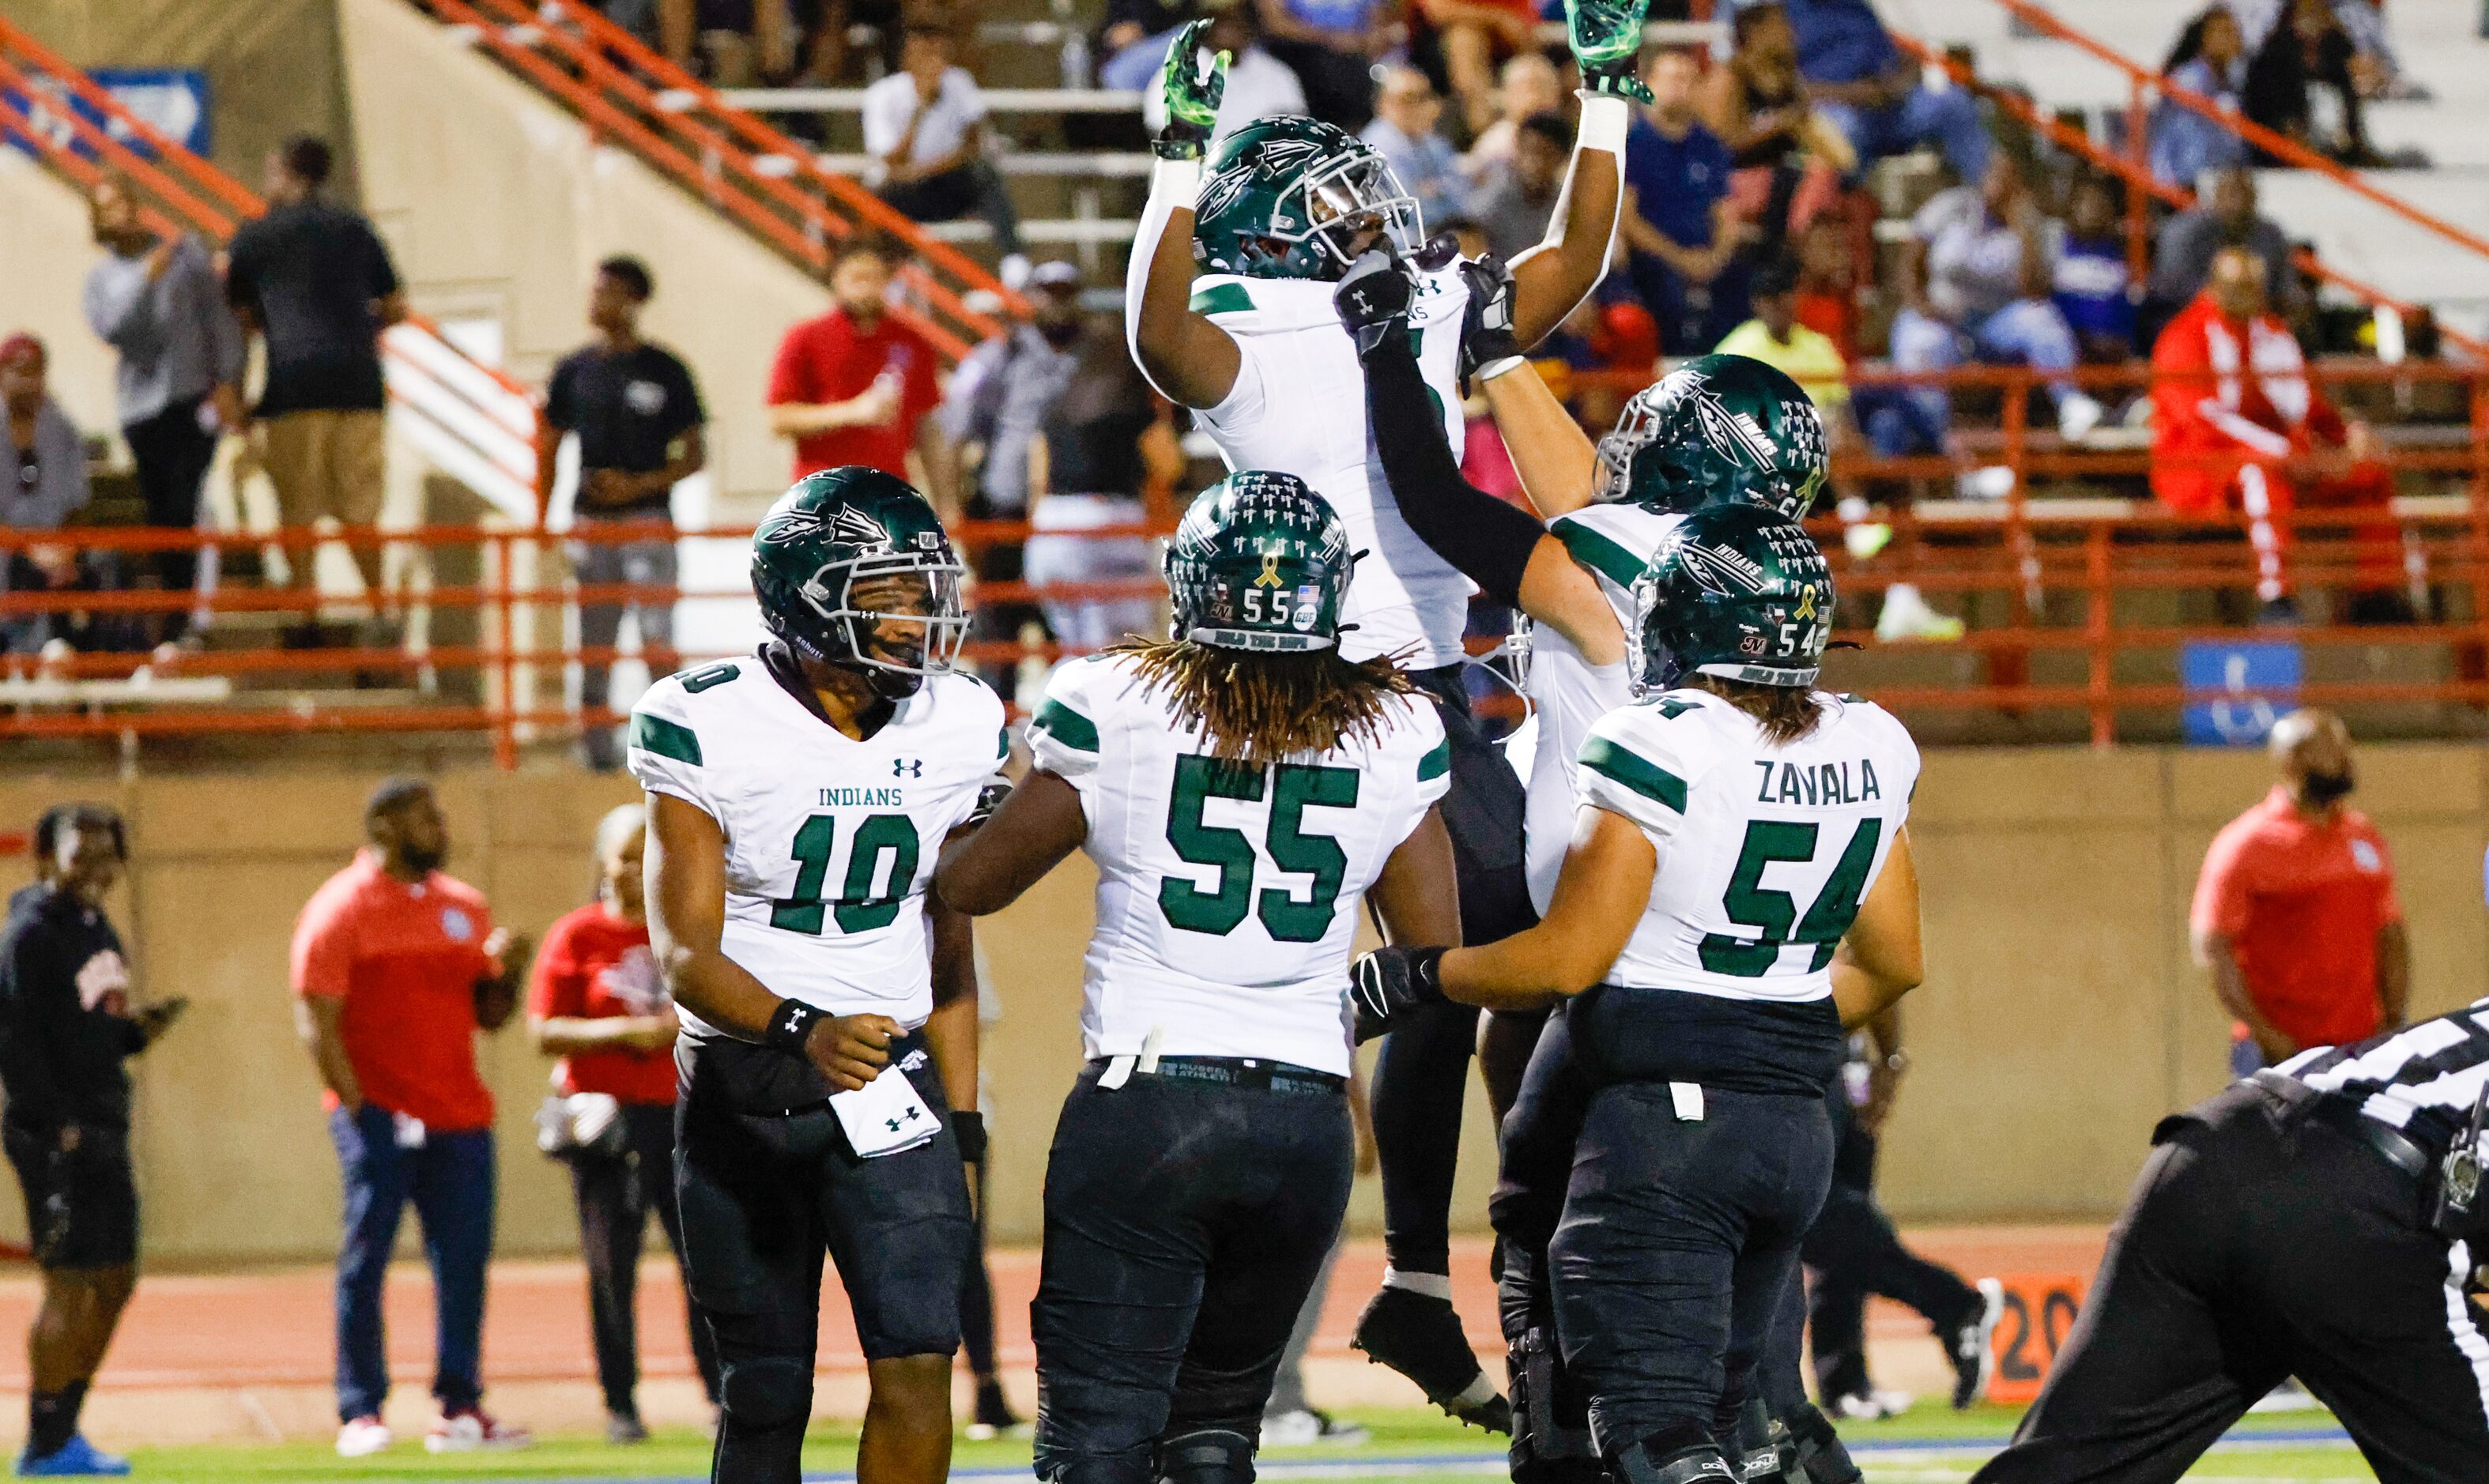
{"x": 68, "y": 1020}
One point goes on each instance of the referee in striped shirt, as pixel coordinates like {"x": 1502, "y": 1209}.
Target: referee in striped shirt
{"x": 2291, "y": 1225}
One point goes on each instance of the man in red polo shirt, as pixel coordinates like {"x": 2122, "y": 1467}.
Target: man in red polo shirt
{"x": 395, "y": 967}
{"x": 854, "y": 385}
{"x": 2294, "y": 912}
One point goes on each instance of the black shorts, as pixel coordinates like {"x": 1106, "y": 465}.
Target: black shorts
{"x": 81, "y": 1203}
{"x": 768, "y": 1182}
{"x": 1483, "y": 812}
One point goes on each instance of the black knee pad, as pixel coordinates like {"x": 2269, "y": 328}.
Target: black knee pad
{"x": 1810, "y": 1450}
{"x": 771, "y": 1391}
{"x": 1210, "y": 1456}
{"x": 1671, "y": 1458}
{"x": 1550, "y": 1418}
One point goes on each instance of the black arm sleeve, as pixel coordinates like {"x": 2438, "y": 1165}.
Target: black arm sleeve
{"x": 1488, "y": 540}
{"x": 30, "y": 1047}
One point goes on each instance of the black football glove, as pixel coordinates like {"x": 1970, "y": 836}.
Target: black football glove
{"x": 1606, "y": 38}
{"x": 988, "y": 799}
{"x": 968, "y": 1131}
{"x": 1488, "y": 342}
{"x": 1390, "y": 983}
{"x": 1373, "y": 299}
{"x": 1192, "y": 82}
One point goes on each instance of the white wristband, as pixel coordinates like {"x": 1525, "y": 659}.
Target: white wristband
{"x": 1495, "y": 368}
{"x": 1604, "y": 117}
{"x": 1178, "y": 181}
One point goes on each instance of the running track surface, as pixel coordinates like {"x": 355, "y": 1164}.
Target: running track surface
{"x": 274, "y": 1328}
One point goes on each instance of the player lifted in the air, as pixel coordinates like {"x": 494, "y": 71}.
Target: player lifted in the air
{"x": 1252, "y": 345}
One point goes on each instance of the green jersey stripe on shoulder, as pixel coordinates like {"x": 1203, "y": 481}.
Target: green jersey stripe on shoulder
{"x": 1636, "y": 772}
{"x": 1600, "y": 554}
{"x": 1221, "y": 298}
{"x": 1066, "y": 727}
{"x": 1435, "y": 763}
{"x": 1002, "y": 746}
{"x": 665, "y": 738}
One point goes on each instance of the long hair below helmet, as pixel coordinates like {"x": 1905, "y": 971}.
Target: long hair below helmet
{"x": 1258, "y": 707}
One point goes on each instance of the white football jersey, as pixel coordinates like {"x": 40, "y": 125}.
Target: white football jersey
{"x": 1298, "y": 408}
{"x": 1614, "y": 543}
{"x": 1227, "y": 897}
{"x": 1765, "y": 851}
{"x": 830, "y": 842}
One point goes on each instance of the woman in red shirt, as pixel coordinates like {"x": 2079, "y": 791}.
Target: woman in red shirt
{"x": 598, "y": 1002}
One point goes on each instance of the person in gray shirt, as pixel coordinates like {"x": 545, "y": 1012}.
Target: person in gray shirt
{"x": 156, "y": 300}
{"x": 47, "y": 482}
{"x": 1520, "y": 193}
{"x": 2182, "y": 259}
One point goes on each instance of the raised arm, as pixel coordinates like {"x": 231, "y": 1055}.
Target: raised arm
{"x": 1187, "y": 358}
{"x": 1556, "y": 274}
{"x": 1497, "y": 545}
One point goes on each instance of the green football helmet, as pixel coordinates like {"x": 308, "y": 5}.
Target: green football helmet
{"x": 1718, "y": 430}
{"x": 1286, "y": 197}
{"x": 1735, "y": 591}
{"x": 839, "y": 532}
{"x": 1260, "y": 562}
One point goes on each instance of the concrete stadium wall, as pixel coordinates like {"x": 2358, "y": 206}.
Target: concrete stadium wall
{"x": 498, "y": 206}
{"x": 2060, "y": 1018}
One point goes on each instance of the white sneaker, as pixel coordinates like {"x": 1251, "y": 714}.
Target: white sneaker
{"x": 1291, "y": 1429}
{"x": 362, "y": 1438}
{"x": 1865, "y": 538}
{"x": 1873, "y": 1406}
{"x": 1908, "y": 618}
{"x": 2077, "y": 415}
{"x": 471, "y": 1428}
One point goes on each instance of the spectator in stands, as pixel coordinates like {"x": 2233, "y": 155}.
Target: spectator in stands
{"x": 68, "y": 1023}
{"x": 1519, "y": 193}
{"x": 1330, "y": 45}
{"x": 1678, "y": 221}
{"x": 2306, "y": 53}
{"x": 1258, "y": 84}
{"x": 2182, "y": 255}
{"x": 1403, "y": 131}
{"x": 1990, "y": 256}
{"x": 49, "y": 485}
{"x": 2210, "y": 58}
{"x": 855, "y": 385}
{"x": 1862, "y": 83}
{"x": 999, "y": 401}
{"x": 395, "y": 967}
{"x": 597, "y": 1000}
{"x": 1530, "y": 86}
{"x": 312, "y": 279}
{"x": 925, "y": 126}
{"x": 734, "y": 44}
{"x": 638, "y": 417}
{"x": 157, "y": 304}
{"x": 2294, "y": 910}
{"x": 2094, "y": 288}
{"x": 1108, "y": 442}
{"x": 1828, "y": 288}
{"x": 1472, "y": 35}
{"x": 2265, "y": 442}
{"x": 1789, "y": 160}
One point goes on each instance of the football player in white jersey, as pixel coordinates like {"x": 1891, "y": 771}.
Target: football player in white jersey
{"x": 1738, "y": 889}
{"x": 797, "y": 801}
{"x": 1242, "y": 787}
{"x": 1251, "y": 344}
{"x": 1720, "y": 428}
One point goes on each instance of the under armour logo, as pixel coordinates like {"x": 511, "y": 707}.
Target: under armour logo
{"x": 908, "y": 767}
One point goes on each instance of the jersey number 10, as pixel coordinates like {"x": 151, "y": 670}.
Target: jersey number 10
{"x": 857, "y": 910}
{"x": 1292, "y": 788}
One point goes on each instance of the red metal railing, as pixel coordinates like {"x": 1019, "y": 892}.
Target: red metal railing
{"x": 761, "y": 178}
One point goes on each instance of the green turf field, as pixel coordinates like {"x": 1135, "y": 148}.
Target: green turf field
{"x": 1929, "y": 1445}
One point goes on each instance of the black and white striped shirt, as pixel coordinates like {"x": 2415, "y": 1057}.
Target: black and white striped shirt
{"x": 2423, "y": 1079}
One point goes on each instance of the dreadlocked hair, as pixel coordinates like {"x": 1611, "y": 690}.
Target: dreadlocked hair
{"x": 1259, "y": 708}
{"x": 1786, "y": 713}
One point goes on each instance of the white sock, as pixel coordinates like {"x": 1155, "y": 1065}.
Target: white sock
{"x": 1434, "y": 1285}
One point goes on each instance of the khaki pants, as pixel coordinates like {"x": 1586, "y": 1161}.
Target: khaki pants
{"x": 328, "y": 463}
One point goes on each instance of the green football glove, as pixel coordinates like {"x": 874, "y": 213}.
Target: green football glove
{"x": 1192, "y": 82}
{"x": 1606, "y": 38}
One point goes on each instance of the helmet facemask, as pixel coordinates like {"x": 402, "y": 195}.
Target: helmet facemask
{"x": 922, "y": 590}
{"x": 1352, "y": 194}
{"x": 1636, "y": 426}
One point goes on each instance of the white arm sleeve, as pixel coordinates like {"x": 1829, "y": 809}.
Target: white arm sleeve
{"x": 1173, "y": 183}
